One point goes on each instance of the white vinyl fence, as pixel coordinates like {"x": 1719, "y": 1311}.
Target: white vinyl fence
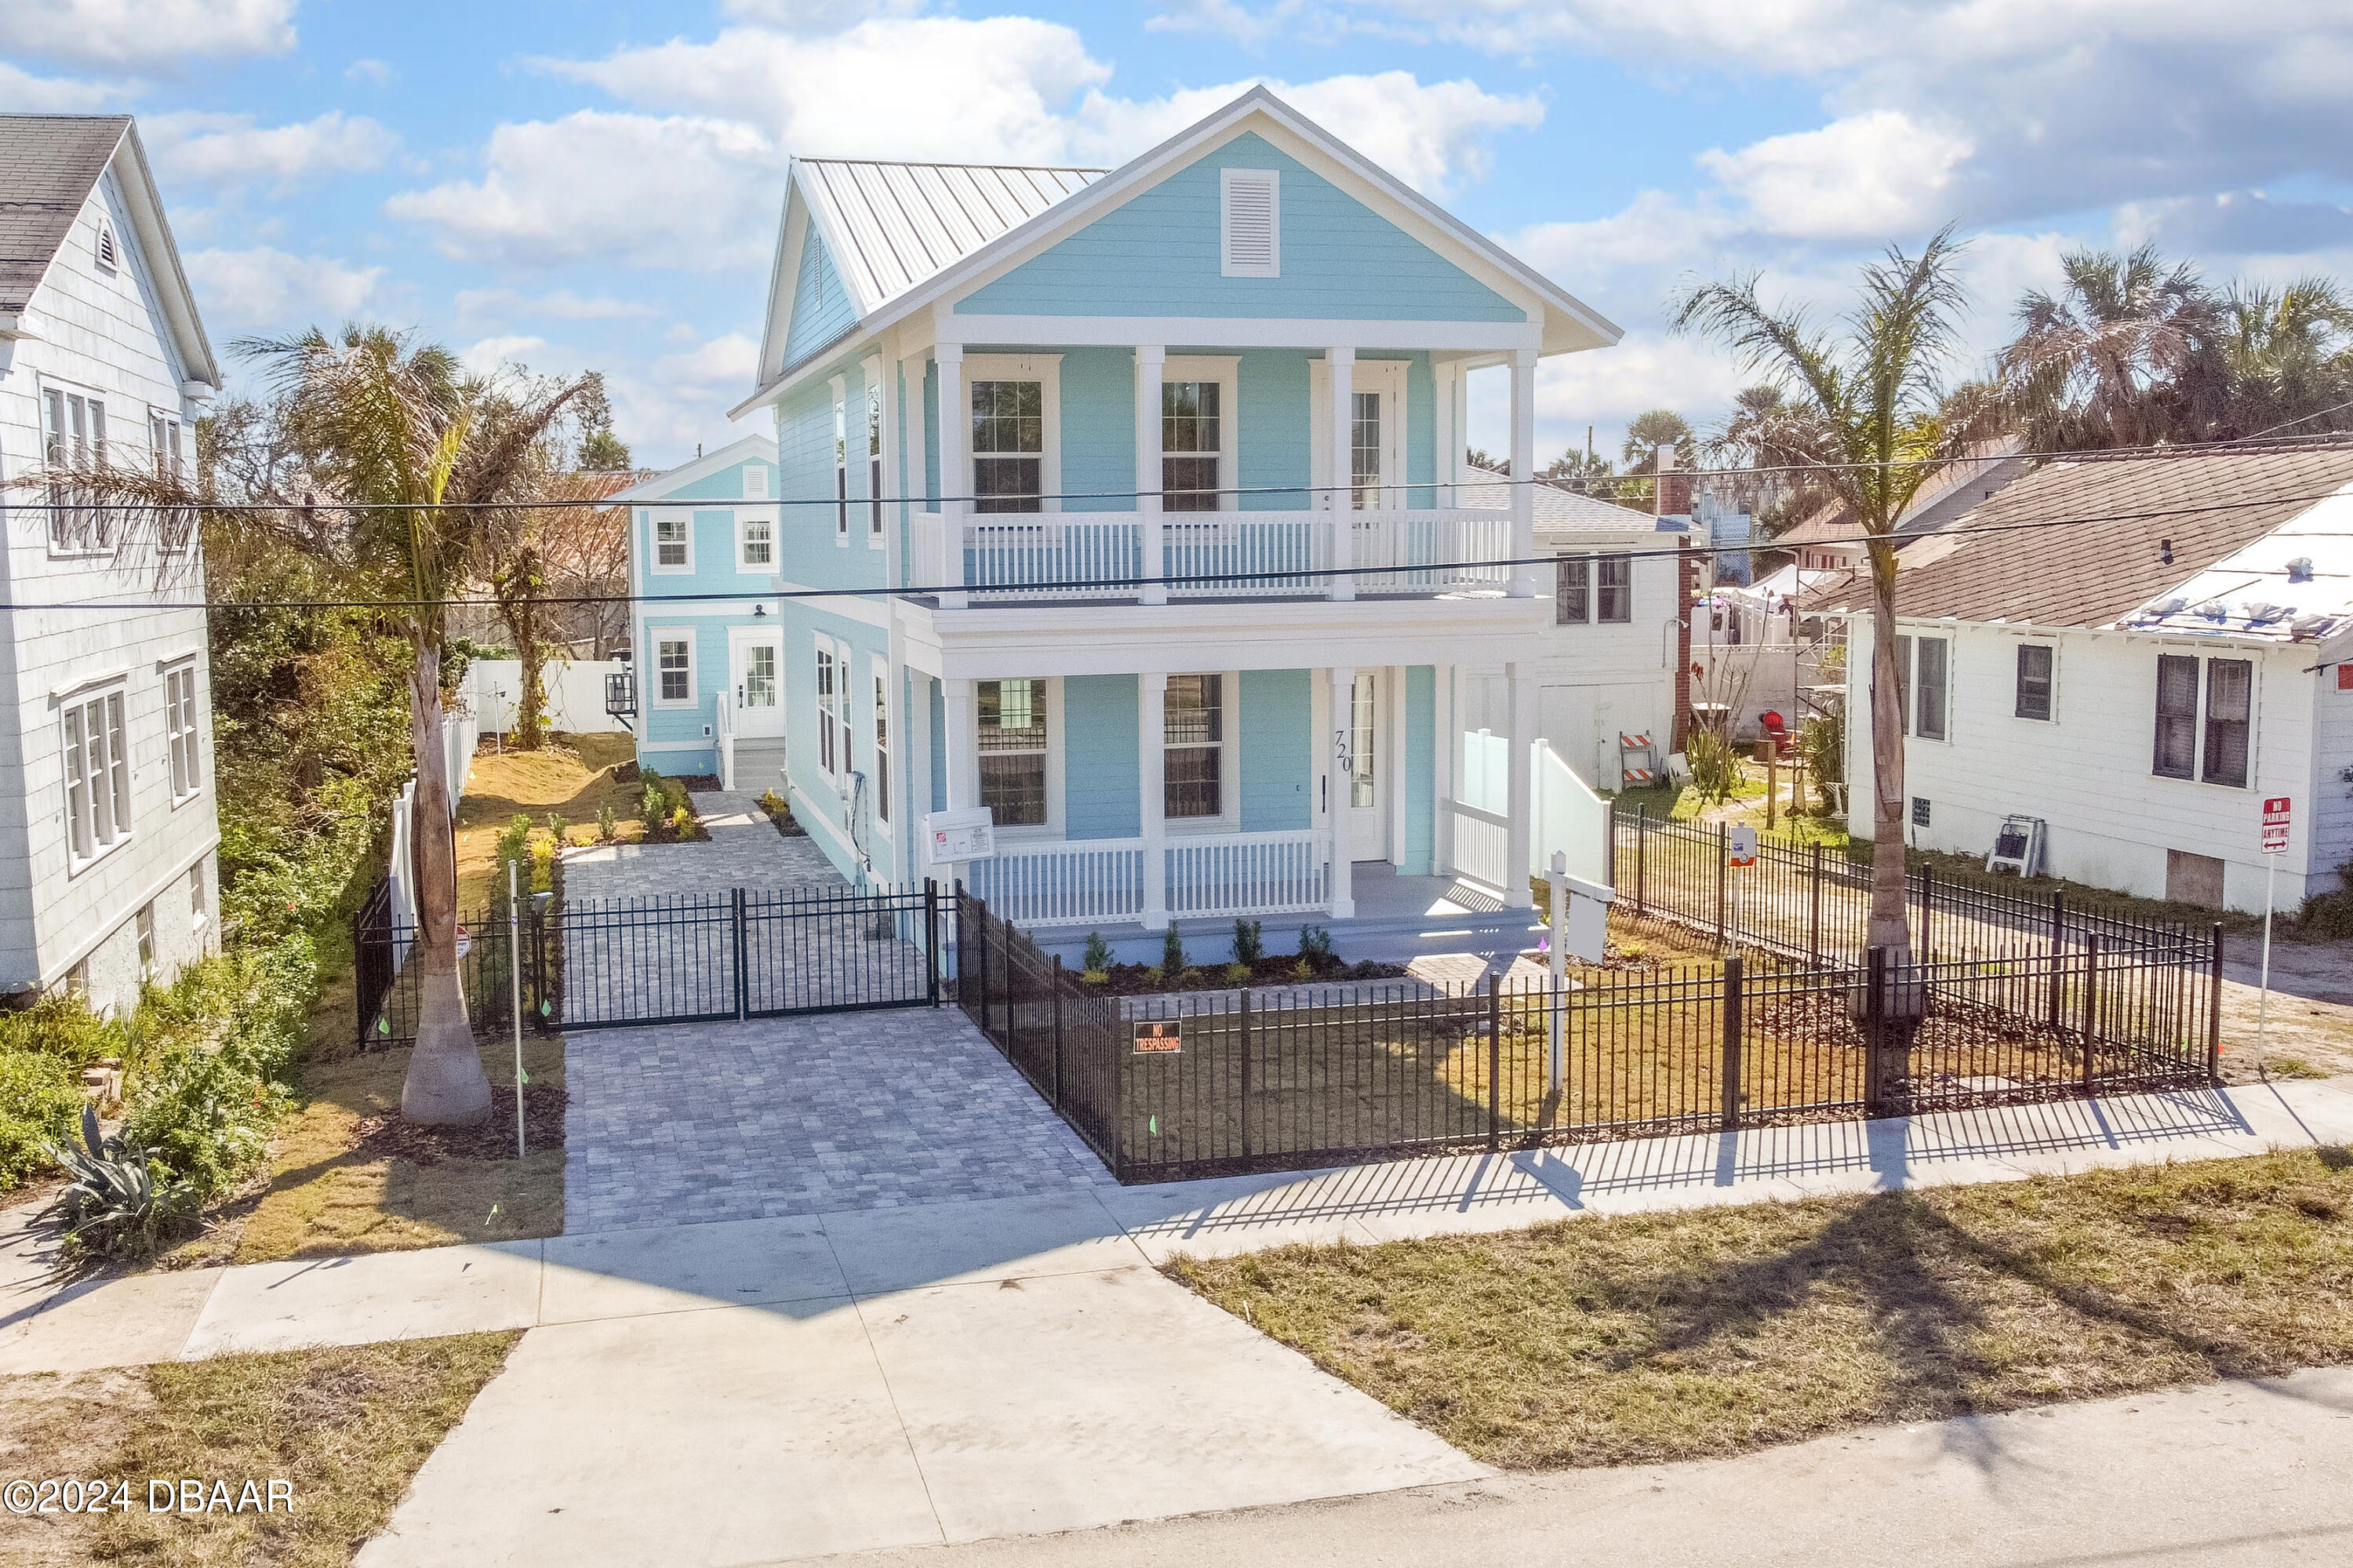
{"x": 574, "y": 688}
{"x": 1568, "y": 816}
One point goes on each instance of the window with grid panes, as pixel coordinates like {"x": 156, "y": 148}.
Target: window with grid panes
{"x": 882, "y": 748}
{"x": 98, "y": 775}
{"x": 1012, "y": 720}
{"x": 76, "y": 439}
{"x": 1193, "y": 734}
{"x": 1930, "y": 683}
{"x": 2229, "y": 714}
{"x": 874, "y": 460}
{"x": 1009, "y": 445}
{"x": 2176, "y": 717}
{"x": 841, "y": 468}
{"x": 1360, "y": 743}
{"x": 1192, "y": 440}
{"x": 674, "y": 664}
{"x": 1365, "y": 450}
{"x": 1614, "y": 593}
{"x": 1572, "y": 590}
{"x": 669, "y": 539}
{"x": 831, "y": 746}
{"x": 2033, "y": 697}
{"x": 179, "y": 730}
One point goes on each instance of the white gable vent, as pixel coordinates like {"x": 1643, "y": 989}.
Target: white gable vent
{"x": 755, "y": 481}
{"x": 106, "y": 256}
{"x": 1250, "y": 223}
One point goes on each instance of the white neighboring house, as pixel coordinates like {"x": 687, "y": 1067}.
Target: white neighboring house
{"x": 107, "y": 835}
{"x": 2141, "y": 676}
{"x": 1606, "y": 663}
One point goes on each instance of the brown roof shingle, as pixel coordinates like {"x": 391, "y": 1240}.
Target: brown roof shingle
{"x": 2105, "y": 559}
{"x": 48, "y": 164}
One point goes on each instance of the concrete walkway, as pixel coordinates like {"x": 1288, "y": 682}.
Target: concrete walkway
{"x": 954, "y": 1372}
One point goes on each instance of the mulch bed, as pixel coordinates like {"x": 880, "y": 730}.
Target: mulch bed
{"x": 1275, "y": 968}
{"x": 390, "y": 1138}
{"x": 697, "y": 783}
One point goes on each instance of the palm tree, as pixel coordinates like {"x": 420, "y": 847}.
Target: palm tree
{"x": 2289, "y": 353}
{"x": 1874, "y": 418}
{"x": 2127, "y": 353}
{"x": 397, "y": 432}
{"x": 1650, "y": 431}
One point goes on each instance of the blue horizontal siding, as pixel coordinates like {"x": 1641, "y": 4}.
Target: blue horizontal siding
{"x": 821, "y": 307}
{"x": 1275, "y": 736}
{"x": 1100, "y": 767}
{"x": 1156, "y": 255}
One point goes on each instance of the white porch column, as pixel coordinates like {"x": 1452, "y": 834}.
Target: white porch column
{"x": 955, "y": 477}
{"x": 963, "y": 738}
{"x": 1523, "y": 469}
{"x": 1442, "y": 825}
{"x": 1335, "y": 794}
{"x": 1150, "y": 362}
{"x": 1520, "y": 685}
{"x": 1342, "y": 364}
{"x": 1152, "y": 784}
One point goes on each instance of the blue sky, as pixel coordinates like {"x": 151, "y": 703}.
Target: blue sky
{"x": 583, "y": 186}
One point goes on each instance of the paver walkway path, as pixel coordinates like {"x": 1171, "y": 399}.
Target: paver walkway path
{"x": 744, "y": 850}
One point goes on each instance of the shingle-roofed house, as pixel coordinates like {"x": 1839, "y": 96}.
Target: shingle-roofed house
{"x": 107, "y": 825}
{"x": 2138, "y": 648}
{"x": 1094, "y": 441}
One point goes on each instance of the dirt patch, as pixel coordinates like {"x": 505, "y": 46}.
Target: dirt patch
{"x": 390, "y": 1138}
{"x": 1142, "y": 979}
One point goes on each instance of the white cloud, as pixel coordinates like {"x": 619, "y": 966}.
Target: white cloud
{"x": 489, "y": 354}
{"x": 1606, "y": 389}
{"x": 267, "y": 290}
{"x": 562, "y": 304}
{"x": 1864, "y": 177}
{"x": 686, "y": 192}
{"x": 377, "y": 73}
{"x": 1223, "y": 18}
{"x": 726, "y": 365}
{"x": 811, "y": 16}
{"x": 230, "y": 149}
{"x": 154, "y": 35}
{"x": 24, "y": 93}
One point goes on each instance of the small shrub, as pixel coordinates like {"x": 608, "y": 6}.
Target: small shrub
{"x": 1238, "y": 974}
{"x": 558, "y": 826}
{"x": 774, "y": 804}
{"x": 1094, "y": 977}
{"x": 115, "y": 1203}
{"x": 1153, "y": 975}
{"x": 606, "y": 828}
{"x": 1172, "y": 953}
{"x": 2329, "y": 915}
{"x": 1248, "y": 945}
{"x": 204, "y": 1117}
{"x": 1098, "y": 953}
{"x": 682, "y": 823}
{"x": 38, "y": 1098}
{"x": 1315, "y": 943}
{"x": 542, "y": 866}
{"x": 1303, "y": 970}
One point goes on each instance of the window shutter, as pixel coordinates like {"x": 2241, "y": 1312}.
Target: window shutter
{"x": 1251, "y": 223}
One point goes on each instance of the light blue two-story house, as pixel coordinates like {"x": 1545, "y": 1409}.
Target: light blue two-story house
{"x": 1149, "y": 479}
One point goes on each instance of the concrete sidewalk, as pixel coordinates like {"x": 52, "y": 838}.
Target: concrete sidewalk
{"x": 956, "y": 1372}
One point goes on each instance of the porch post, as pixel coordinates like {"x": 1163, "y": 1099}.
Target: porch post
{"x": 1520, "y": 681}
{"x": 955, "y": 480}
{"x": 1149, "y": 363}
{"x": 1441, "y": 775}
{"x": 1152, "y": 792}
{"x": 1523, "y": 469}
{"x": 1343, "y": 721}
{"x": 964, "y": 760}
{"x": 1342, "y": 364}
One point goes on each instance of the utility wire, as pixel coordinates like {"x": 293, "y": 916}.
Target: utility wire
{"x": 1684, "y": 549}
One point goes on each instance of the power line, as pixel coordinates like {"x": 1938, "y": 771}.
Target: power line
{"x": 1678, "y": 550}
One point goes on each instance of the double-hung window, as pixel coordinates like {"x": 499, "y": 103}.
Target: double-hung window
{"x": 1192, "y": 441}
{"x": 2212, "y": 743}
{"x": 832, "y": 734}
{"x": 2034, "y": 671}
{"x": 145, "y": 924}
{"x": 1923, "y": 684}
{"x": 758, "y": 549}
{"x": 841, "y": 463}
{"x": 1012, "y": 721}
{"x": 75, "y": 439}
{"x": 98, "y": 775}
{"x": 874, "y": 460}
{"x": 1364, "y": 452}
{"x": 674, "y": 667}
{"x": 179, "y": 730}
{"x": 673, "y": 542}
{"x": 175, "y": 526}
{"x": 1193, "y": 756}
{"x": 1615, "y": 589}
{"x": 1009, "y": 446}
{"x": 1587, "y": 589}
{"x": 882, "y": 747}
{"x": 1572, "y": 591}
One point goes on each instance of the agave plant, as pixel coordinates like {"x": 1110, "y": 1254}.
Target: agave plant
{"x": 114, "y": 1203}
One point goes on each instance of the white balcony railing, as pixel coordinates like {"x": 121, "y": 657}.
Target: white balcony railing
{"x": 1078, "y": 881}
{"x": 1223, "y": 554}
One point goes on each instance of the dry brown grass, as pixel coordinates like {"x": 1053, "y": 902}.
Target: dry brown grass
{"x": 572, "y": 778}
{"x": 347, "y": 1428}
{"x": 1651, "y": 1338}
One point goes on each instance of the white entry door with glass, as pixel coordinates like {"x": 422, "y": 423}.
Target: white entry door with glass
{"x": 758, "y": 679}
{"x": 1364, "y": 808}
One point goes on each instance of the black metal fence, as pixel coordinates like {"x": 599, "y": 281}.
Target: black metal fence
{"x": 1177, "y": 1087}
{"x": 1814, "y": 906}
{"x": 608, "y": 963}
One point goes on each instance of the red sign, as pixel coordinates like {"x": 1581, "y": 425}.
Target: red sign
{"x": 2276, "y": 825}
{"x": 1159, "y": 1036}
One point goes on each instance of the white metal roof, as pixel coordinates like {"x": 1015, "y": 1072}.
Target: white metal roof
{"x": 897, "y": 224}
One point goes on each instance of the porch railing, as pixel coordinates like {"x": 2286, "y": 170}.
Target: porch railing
{"x": 1077, "y": 881}
{"x": 1225, "y": 555}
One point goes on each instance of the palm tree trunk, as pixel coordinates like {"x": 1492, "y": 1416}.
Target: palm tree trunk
{"x": 1890, "y": 926}
{"x": 445, "y": 1085}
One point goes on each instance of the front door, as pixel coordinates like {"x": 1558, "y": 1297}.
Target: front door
{"x": 758, "y": 679}
{"x": 1364, "y": 813}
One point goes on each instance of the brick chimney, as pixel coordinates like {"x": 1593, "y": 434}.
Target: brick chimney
{"x": 1673, "y": 489}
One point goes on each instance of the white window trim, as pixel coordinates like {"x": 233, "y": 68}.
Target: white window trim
{"x": 1226, "y": 267}
{"x": 1046, "y": 369}
{"x": 1911, "y": 684}
{"x": 1056, "y": 739}
{"x": 198, "y": 914}
{"x": 97, "y": 694}
{"x": 839, "y": 385}
{"x": 655, "y": 637}
{"x": 878, "y": 667}
{"x": 745, "y": 565}
{"x": 1228, "y": 819}
{"x": 1225, "y": 369}
{"x": 1387, "y": 376}
{"x": 2198, "y": 752}
{"x": 655, "y": 516}
{"x": 878, "y": 395}
{"x": 2055, "y": 644}
{"x": 183, "y": 669}
{"x": 844, "y": 674}
{"x": 42, "y": 387}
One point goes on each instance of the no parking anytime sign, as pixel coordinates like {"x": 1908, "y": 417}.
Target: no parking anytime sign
{"x": 2276, "y": 825}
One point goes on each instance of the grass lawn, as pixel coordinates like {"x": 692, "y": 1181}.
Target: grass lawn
{"x": 573, "y": 779}
{"x": 347, "y": 1428}
{"x": 1650, "y": 1337}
